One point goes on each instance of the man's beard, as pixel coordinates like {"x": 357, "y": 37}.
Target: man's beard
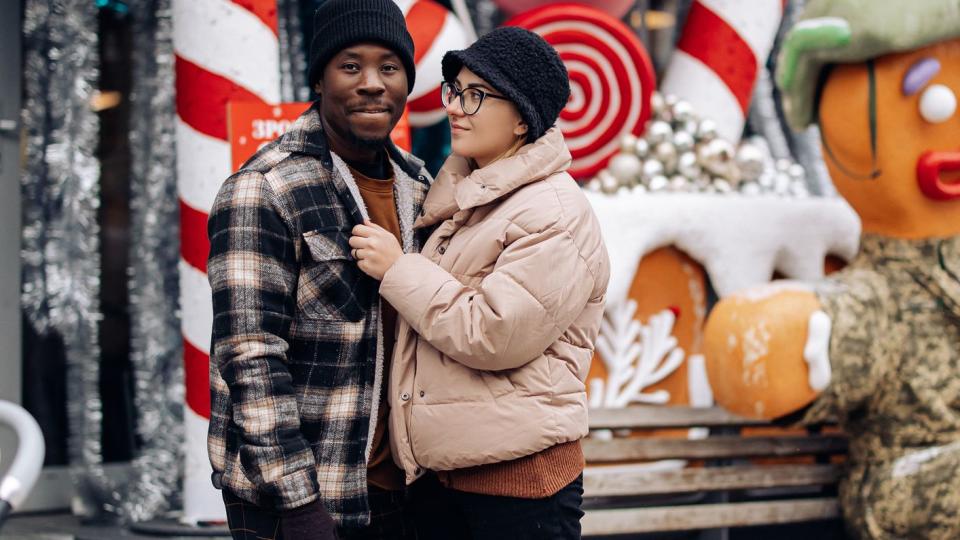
{"x": 365, "y": 143}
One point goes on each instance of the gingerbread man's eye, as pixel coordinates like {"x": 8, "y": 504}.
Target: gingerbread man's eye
{"x": 937, "y": 103}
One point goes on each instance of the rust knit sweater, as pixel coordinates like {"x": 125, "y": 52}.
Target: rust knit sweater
{"x": 531, "y": 477}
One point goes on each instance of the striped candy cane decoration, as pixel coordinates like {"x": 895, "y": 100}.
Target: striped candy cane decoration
{"x": 723, "y": 46}
{"x": 225, "y": 50}
{"x": 435, "y": 30}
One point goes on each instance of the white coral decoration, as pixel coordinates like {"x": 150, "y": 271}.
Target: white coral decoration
{"x": 636, "y": 356}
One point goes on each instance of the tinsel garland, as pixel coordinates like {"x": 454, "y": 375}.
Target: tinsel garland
{"x": 293, "y": 56}
{"x": 60, "y": 245}
{"x": 156, "y": 345}
{"x": 767, "y": 119}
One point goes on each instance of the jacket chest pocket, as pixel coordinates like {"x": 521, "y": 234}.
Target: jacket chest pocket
{"x": 330, "y": 285}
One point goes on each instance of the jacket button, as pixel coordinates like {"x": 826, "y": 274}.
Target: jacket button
{"x": 422, "y": 178}
{"x": 483, "y": 186}
{"x": 422, "y": 393}
{"x": 442, "y": 250}
{"x": 405, "y": 396}
{"x": 418, "y": 470}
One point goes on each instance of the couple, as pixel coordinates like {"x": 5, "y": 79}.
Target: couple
{"x": 391, "y": 358}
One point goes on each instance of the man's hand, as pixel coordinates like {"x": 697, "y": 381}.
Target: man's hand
{"x": 310, "y": 522}
{"x": 374, "y": 248}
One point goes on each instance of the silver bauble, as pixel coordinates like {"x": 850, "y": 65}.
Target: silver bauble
{"x": 627, "y": 142}
{"x": 683, "y": 141}
{"x": 682, "y": 111}
{"x": 670, "y": 100}
{"x": 592, "y": 185}
{"x": 717, "y": 157}
{"x": 783, "y": 164}
{"x": 657, "y": 104}
{"x": 796, "y": 171}
{"x": 679, "y": 184}
{"x": 767, "y": 180}
{"x": 626, "y": 168}
{"x": 658, "y": 183}
{"x": 666, "y": 153}
{"x": 652, "y": 167}
{"x": 703, "y": 183}
{"x": 608, "y": 183}
{"x": 706, "y": 130}
{"x": 781, "y": 183}
{"x": 722, "y": 186}
{"x": 641, "y": 148}
{"x": 750, "y": 161}
{"x": 687, "y": 165}
{"x": 658, "y": 131}
{"x": 798, "y": 188}
{"x": 751, "y": 189}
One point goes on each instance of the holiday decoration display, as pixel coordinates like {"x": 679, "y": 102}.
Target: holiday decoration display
{"x": 225, "y": 50}
{"x": 614, "y": 8}
{"x": 611, "y": 80}
{"x": 435, "y": 30}
{"x": 874, "y": 346}
{"x": 719, "y": 56}
{"x": 680, "y": 152}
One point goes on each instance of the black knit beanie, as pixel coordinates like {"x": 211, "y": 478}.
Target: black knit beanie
{"x": 339, "y": 24}
{"x": 523, "y": 67}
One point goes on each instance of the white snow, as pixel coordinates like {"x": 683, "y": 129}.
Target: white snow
{"x": 739, "y": 240}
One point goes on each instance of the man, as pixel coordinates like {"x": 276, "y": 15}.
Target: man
{"x": 301, "y": 340}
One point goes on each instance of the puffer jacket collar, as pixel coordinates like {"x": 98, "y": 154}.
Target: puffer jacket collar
{"x": 458, "y": 187}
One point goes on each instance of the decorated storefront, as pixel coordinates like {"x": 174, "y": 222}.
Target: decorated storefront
{"x": 708, "y": 135}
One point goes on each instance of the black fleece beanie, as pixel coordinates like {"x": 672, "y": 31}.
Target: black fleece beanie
{"x": 523, "y": 67}
{"x": 338, "y": 24}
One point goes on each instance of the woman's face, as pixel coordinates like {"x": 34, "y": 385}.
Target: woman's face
{"x": 489, "y": 133}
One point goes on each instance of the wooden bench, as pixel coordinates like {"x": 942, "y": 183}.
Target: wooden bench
{"x": 724, "y": 487}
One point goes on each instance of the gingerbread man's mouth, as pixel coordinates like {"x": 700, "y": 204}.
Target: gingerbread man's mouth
{"x": 938, "y": 174}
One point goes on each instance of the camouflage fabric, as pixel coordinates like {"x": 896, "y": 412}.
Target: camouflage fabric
{"x": 895, "y": 354}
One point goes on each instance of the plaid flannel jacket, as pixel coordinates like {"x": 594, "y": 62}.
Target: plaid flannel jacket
{"x": 296, "y": 363}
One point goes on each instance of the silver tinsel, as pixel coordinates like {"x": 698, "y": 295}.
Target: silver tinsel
{"x": 766, "y": 117}
{"x": 60, "y": 250}
{"x": 293, "y": 57}
{"x": 156, "y": 342}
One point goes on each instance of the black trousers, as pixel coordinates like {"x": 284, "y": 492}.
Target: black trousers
{"x": 390, "y": 519}
{"x": 441, "y": 513}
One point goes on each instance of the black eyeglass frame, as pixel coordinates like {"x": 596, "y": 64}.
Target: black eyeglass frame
{"x": 459, "y": 94}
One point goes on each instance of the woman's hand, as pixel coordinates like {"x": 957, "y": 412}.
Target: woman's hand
{"x": 374, "y": 248}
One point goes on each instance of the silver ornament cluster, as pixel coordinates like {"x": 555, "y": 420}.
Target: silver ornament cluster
{"x": 680, "y": 152}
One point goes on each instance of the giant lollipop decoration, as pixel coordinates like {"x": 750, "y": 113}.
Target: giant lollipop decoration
{"x": 615, "y": 8}
{"x": 435, "y": 30}
{"x": 611, "y": 80}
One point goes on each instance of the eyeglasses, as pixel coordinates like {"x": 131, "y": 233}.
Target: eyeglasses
{"x": 470, "y": 98}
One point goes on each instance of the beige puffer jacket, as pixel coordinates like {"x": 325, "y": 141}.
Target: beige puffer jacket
{"x": 499, "y": 314}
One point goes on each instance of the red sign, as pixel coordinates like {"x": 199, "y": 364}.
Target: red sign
{"x": 251, "y": 125}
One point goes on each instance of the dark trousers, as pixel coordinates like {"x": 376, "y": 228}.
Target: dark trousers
{"x": 390, "y": 519}
{"x": 441, "y": 513}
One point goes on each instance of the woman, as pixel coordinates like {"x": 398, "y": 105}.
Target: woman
{"x": 499, "y": 312}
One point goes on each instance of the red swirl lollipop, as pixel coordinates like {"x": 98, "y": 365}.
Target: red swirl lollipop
{"x": 611, "y": 80}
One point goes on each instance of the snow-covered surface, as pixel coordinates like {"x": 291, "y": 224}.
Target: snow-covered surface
{"x": 740, "y": 240}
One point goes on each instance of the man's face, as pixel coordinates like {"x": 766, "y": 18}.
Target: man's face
{"x": 363, "y": 92}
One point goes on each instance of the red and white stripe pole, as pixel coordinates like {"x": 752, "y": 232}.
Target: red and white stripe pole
{"x": 720, "y": 53}
{"x": 225, "y": 50}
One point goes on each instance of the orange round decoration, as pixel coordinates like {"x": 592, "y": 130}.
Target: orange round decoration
{"x": 761, "y": 339}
